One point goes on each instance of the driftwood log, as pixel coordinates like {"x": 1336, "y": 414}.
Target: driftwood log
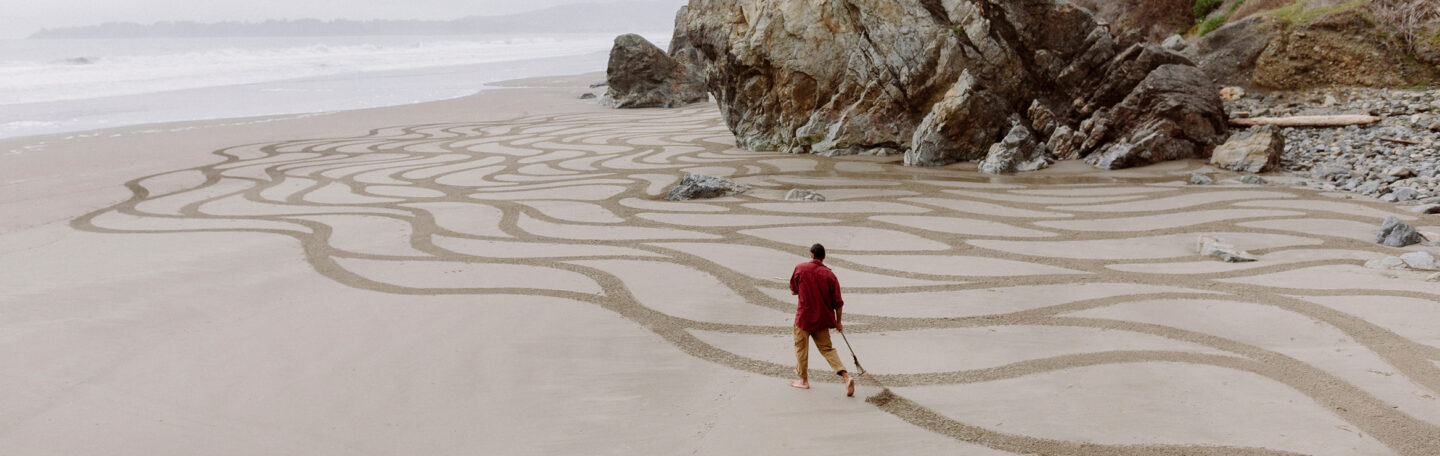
{"x": 1306, "y": 121}
{"x": 1402, "y": 141}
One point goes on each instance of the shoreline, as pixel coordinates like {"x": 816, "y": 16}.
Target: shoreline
{"x": 24, "y": 143}
{"x": 288, "y": 96}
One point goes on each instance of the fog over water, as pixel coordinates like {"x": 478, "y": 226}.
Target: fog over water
{"x": 22, "y": 18}
{"x": 100, "y": 81}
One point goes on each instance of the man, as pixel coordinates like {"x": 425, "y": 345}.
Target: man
{"x": 819, "y": 310}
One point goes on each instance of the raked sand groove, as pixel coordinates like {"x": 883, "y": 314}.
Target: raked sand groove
{"x": 1024, "y": 298}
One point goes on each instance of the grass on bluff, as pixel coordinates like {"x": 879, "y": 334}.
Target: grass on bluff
{"x": 1304, "y": 11}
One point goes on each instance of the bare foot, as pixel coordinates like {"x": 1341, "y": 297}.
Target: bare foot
{"x": 849, "y": 386}
{"x": 800, "y": 384}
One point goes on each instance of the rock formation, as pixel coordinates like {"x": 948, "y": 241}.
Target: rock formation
{"x": 1017, "y": 152}
{"x": 641, "y": 75}
{"x": 1257, "y": 150}
{"x": 938, "y": 80}
{"x": 1395, "y": 233}
{"x": 699, "y": 186}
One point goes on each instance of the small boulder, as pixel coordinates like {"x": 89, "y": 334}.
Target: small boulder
{"x": 1423, "y": 261}
{"x": 1386, "y": 264}
{"x": 1174, "y": 43}
{"x": 1405, "y": 194}
{"x": 1212, "y": 247}
{"x": 1232, "y": 93}
{"x": 1253, "y": 180}
{"x": 800, "y": 194}
{"x": 699, "y": 186}
{"x": 1255, "y": 150}
{"x": 587, "y": 96}
{"x": 1436, "y": 127}
{"x": 1400, "y": 172}
{"x": 1017, "y": 152}
{"x": 1395, "y": 233}
{"x": 1200, "y": 179}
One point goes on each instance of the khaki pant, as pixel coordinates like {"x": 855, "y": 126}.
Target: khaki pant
{"x": 822, "y": 343}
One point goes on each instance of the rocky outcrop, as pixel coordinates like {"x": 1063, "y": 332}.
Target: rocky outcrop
{"x": 1256, "y": 150}
{"x": 1019, "y": 151}
{"x": 1153, "y": 19}
{"x": 1164, "y": 118}
{"x": 1228, "y": 54}
{"x": 938, "y": 80}
{"x": 641, "y": 75}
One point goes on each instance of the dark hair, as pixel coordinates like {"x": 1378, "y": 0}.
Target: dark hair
{"x": 818, "y": 251}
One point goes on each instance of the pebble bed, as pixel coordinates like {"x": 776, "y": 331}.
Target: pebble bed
{"x": 1395, "y": 160}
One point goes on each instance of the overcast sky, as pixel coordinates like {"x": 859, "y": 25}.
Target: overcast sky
{"x": 20, "y": 18}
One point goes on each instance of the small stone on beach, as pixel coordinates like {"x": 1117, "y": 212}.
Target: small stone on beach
{"x": 800, "y": 194}
{"x": 1214, "y": 247}
{"x": 699, "y": 186}
{"x": 1395, "y": 233}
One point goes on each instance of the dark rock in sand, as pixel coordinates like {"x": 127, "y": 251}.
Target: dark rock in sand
{"x": 699, "y": 186}
{"x": 641, "y": 75}
{"x": 1395, "y": 233}
{"x": 587, "y": 96}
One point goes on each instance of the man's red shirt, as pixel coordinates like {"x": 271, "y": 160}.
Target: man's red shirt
{"x": 819, "y": 293}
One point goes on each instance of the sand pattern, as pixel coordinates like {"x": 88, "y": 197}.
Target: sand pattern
{"x": 997, "y": 311}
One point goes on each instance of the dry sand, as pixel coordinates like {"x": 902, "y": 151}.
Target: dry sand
{"x": 499, "y": 275}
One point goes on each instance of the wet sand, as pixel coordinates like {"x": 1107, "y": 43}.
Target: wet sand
{"x": 500, "y": 275}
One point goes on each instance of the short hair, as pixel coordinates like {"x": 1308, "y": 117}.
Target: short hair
{"x": 818, "y": 251}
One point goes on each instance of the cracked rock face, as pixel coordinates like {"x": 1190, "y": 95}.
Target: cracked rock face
{"x": 1019, "y": 151}
{"x": 700, "y": 186}
{"x": 1256, "y": 150}
{"x": 1395, "y": 233}
{"x": 938, "y": 80}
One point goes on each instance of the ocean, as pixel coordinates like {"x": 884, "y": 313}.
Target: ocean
{"x": 66, "y": 85}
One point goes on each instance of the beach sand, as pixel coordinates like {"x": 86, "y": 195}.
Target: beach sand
{"x": 499, "y": 274}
